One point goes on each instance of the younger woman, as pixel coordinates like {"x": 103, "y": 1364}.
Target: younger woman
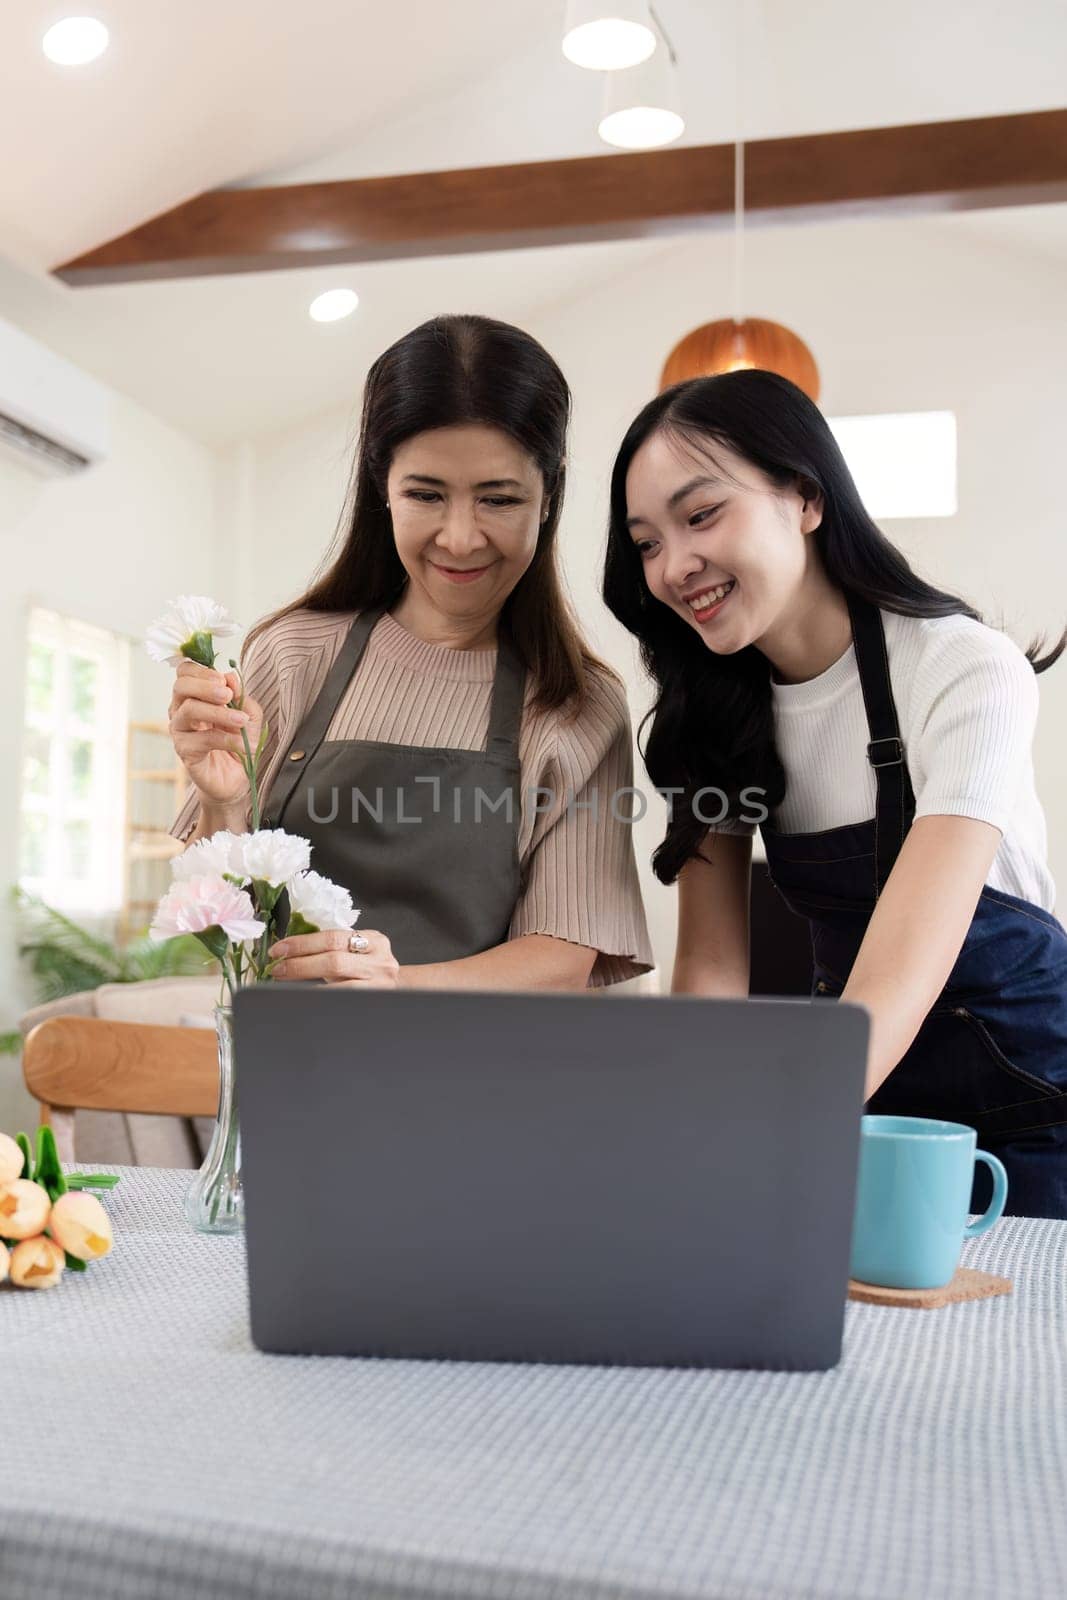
{"x": 880, "y": 734}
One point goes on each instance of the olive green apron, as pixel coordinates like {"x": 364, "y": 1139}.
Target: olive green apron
{"x": 425, "y": 839}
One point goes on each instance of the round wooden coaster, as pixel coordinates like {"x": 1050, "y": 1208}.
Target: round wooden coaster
{"x": 968, "y": 1284}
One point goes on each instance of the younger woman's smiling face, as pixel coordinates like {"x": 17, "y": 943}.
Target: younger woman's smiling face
{"x": 720, "y": 543}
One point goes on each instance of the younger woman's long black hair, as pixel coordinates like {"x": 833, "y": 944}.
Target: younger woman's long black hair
{"x": 712, "y": 721}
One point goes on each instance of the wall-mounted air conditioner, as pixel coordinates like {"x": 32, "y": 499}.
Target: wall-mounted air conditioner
{"x": 54, "y": 418}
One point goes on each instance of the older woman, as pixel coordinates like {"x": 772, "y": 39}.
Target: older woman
{"x": 437, "y": 727}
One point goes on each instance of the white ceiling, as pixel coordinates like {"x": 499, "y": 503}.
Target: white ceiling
{"x": 195, "y": 94}
{"x": 230, "y": 356}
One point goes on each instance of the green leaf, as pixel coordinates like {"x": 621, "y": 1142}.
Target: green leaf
{"x": 262, "y": 740}
{"x": 299, "y": 924}
{"x": 215, "y": 940}
{"x": 75, "y": 1263}
{"x": 183, "y": 956}
{"x": 11, "y": 1043}
{"x": 93, "y": 1180}
{"x": 49, "y": 1171}
{"x": 63, "y": 958}
{"x": 27, "y": 1154}
{"x": 199, "y": 647}
{"x": 265, "y": 895}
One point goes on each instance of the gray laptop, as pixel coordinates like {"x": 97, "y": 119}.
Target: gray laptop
{"x": 638, "y": 1180}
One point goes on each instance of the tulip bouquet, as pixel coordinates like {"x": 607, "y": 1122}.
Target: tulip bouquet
{"x": 48, "y": 1221}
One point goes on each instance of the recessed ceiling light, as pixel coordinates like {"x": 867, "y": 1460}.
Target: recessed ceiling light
{"x": 75, "y": 41}
{"x": 333, "y": 305}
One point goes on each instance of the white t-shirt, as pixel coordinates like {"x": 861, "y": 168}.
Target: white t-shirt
{"x": 966, "y": 700}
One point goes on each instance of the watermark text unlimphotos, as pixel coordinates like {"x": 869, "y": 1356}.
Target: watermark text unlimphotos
{"x": 427, "y": 797}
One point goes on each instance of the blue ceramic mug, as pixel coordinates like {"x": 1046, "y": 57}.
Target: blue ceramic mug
{"x": 913, "y": 1198}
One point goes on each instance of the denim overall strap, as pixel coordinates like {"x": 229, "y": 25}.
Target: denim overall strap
{"x": 895, "y": 807}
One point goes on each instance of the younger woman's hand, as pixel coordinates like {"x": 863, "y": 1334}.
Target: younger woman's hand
{"x": 207, "y": 735}
{"x": 326, "y": 956}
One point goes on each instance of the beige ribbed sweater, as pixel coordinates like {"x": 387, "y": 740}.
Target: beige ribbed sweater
{"x": 581, "y": 879}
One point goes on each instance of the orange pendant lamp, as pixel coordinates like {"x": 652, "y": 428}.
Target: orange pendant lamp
{"x": 732, "y": 343}
{"x": 729, "y": 345}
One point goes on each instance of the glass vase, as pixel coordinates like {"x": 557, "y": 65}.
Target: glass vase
{"x": 215, "y": 1202}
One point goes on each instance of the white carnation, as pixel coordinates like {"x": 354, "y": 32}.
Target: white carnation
{"x": 185, "y": 617}
{"x": 270, "y": 855}
{"x": 323, "y": 904}
{"x": 212, "y": 857}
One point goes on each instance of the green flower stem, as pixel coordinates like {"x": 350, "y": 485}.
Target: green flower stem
{"x": 251, "y": 761}
{"x": 250, "y": 769}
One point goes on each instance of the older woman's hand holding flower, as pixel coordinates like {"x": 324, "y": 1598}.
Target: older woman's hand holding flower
{"x": 228, "y": 888}
{"x": 319, "y": 943}
{"x": 217, "y": 730}
{"x": 333, "y": 958}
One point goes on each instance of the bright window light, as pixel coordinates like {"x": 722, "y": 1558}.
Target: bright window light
{"x": 333, "y": 305}
{"x": 904, "y": 463}
{"x": 75, "y": 41}
{"x": 72, "y": 813}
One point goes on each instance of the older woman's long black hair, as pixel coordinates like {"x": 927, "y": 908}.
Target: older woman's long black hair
{"x": 452, "y": 370}
{"x": 712, "y": 721}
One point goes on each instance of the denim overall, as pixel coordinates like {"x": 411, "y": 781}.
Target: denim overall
{"x": 992, "y": 1052}
{"x": 424, "y": 838}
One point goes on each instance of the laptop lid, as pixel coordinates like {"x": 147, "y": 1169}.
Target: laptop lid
{"x": 548, "y": 1177}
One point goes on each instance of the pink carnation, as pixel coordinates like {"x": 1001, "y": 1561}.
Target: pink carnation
{"x": 196, "y": 904}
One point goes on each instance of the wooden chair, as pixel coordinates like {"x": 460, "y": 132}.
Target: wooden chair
{"x": 84, "y": 1063}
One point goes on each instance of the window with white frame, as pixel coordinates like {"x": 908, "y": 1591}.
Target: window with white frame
{"x": 72, "y": 817}
{"x": 904, "y": 463}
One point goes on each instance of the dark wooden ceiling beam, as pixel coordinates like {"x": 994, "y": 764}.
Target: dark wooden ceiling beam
{"x": 985, "y": 161}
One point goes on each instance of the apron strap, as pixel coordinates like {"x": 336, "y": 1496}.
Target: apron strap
{"x": 312, "y": 730}
{"x": 505, "y": 711}
{"x": 895, "y": 804}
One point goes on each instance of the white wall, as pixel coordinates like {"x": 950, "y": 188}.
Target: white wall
{"x": 908, "y": 315}
{"x": 110, "y": 546}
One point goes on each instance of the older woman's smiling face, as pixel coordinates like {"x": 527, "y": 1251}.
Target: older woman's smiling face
{"x": 467, "y": 504}
{"x": 720, "y": 543}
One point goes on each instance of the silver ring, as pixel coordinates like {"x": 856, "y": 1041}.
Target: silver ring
{"x": 358, "y": 943}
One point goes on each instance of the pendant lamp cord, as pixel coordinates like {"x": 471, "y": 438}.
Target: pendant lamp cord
{"x": 739, "y": 174}
{"x": 661, "y": 30}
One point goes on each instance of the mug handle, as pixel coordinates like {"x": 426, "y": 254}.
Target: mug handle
{"x": 1000, "y": 1196}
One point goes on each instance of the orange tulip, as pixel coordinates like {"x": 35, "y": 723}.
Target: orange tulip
{"x": 10, "y": 1159}
{"x": 36, "y": 1263}
{"x": 24, "y": 1208}
{"x": 79, "y": 1224}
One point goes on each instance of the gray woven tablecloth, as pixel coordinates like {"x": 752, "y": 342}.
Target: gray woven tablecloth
{"x": 148, "y": 1452}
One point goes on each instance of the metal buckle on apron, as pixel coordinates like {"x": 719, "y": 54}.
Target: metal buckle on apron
{"x": 893, "y": 760}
